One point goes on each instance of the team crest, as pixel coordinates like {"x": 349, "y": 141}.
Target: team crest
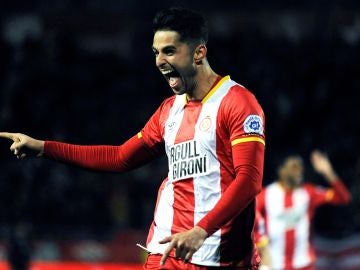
{"x": 205, "y": 124}
{"x": 253, "y": 124}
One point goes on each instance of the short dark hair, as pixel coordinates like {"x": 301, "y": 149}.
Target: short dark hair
{"x": 191, "y": 26}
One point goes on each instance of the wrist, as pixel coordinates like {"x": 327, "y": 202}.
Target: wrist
{"x": 331, "y": 177}
{"x": 202, "y": 231}
{"x": 39, "y": 146}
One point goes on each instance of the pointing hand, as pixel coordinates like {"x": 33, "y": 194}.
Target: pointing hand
{"x": 23, "y": 143}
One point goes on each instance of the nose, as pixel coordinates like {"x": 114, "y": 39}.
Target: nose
{"x": 160, "y": 60}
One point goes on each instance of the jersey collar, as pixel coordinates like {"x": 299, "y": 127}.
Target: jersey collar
{"x": 212, "y": 90}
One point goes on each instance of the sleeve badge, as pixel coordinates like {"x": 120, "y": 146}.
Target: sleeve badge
{"x": 253, "y": 124}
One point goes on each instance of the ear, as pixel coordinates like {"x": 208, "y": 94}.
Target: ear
{"x": 200, "y": 53}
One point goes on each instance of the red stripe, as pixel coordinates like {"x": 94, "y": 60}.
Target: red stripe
{"x": 289, "y": 235}
{"x": 184, "y": 201}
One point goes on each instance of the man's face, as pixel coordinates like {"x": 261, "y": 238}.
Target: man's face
{"x": 175, "y": 60}
{"x": 292, "y": 171}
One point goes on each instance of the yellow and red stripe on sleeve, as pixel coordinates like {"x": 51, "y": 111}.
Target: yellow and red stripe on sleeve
{"x": 248, "y": 139}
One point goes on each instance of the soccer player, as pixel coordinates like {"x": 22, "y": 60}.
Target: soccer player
{"x": 212, "y": 131}
{"x": 288, "y": 206}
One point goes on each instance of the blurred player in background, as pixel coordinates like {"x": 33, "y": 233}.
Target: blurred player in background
{"x": 288, "y": 206}
{"x": 212, "y": 131}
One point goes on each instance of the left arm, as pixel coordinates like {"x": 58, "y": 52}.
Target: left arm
{"x": 338, "y": 194}
{"x": 262, "y": 241}
{"x": 248, "y": 161}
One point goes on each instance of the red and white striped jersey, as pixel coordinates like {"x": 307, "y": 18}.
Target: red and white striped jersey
{"x": 198, "y": 137}
{"x": 288, "y": 217}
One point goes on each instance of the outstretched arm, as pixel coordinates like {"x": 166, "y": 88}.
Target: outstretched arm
{"x": 129, "y": 155}
{"x": 138, "y": 150}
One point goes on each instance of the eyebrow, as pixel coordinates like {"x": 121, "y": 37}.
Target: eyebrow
{"x": 168, "y": 47}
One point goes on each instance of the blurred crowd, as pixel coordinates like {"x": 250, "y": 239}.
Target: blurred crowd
{"x": 86, "y": 75}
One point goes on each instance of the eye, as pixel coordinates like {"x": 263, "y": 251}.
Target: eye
{"x": 169, "y": 51}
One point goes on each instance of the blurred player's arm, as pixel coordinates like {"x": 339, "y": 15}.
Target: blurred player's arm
{"x": 262, "y": 240}
{"x": 338, "y": 194}
{"x": 264, "y": 250}
{"x": 129, "y": 155}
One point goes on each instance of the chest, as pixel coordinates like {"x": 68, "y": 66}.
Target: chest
{"x": 287, "y": 207}
{"x": 193, "y": 122}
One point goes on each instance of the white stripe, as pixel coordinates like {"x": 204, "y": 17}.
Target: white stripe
{"x": 300, "y": 208}
{"x": 206, "y": 188}
{"x": 163, "y": 225}
{"x": 274, "y": 202}
{"x": 173, "y": 122}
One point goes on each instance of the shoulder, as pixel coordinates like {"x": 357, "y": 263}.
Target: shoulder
{"x": 310, "y": 186}
{"x": 314, "y": 189}
{"x": 168, "y": 102}
{"x": 273, "y": 186}
{"x": 165, "y": 106}
{"x": 159, "y": 116}
{"x": 239, "y": 92}
{"x": 239, "y": 98}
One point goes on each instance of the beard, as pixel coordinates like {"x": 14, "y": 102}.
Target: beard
{"x": 294, "y": 180}
{"x": 182, "y": 80}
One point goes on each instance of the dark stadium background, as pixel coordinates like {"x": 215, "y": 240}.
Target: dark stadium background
{"x": 84, "y": 72}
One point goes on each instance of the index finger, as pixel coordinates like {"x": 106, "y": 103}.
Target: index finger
{"x": 167, "y": 252}
{"x": 7, "y": 135}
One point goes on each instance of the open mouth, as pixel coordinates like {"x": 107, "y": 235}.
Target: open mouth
{"x": 171, "y": 74}
{"x": 173, "y": 77}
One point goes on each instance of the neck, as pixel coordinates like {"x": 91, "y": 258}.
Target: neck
{"x": 287, "y": 185}
{"x": 205, "y": 79}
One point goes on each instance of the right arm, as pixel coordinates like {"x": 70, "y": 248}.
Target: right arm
{"x": 127, "y": 156}
{"x": 138, "y": 150}
{"x": 131, "y": 154}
